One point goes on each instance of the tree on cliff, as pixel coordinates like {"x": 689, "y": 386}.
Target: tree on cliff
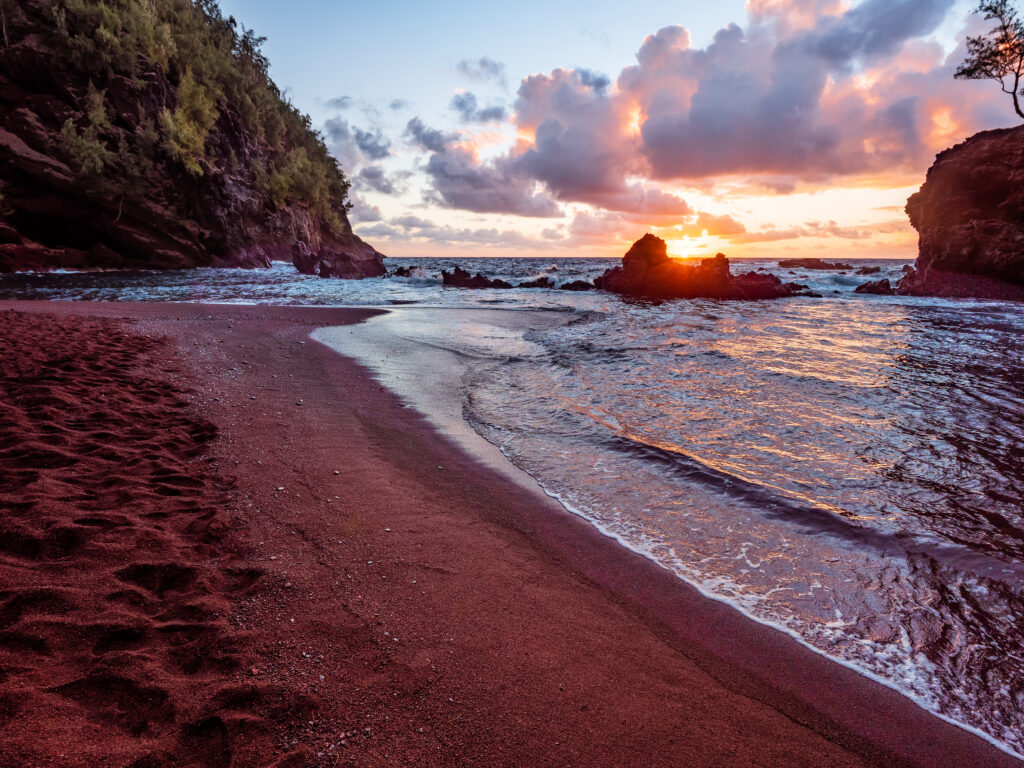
{"x": 999, "y": 55}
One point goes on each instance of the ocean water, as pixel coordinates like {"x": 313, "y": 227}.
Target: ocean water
{"x": 849, "y": 469}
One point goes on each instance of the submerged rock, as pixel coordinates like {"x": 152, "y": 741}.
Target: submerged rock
{"x": 878, "y": 287}
{"x": 969, "y": 214}
{"x": 813, "y": 264}
{"x": 869, "y": 270}
{"x": 460, "y": 278}
{"x": 540, "y": 282}
{"x": 648, "y": 272}
{"x": 577, "y": 285}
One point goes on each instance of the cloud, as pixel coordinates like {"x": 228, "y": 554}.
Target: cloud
{"x": 376, "y": 178}
{"x": 465, "y": 104}
{"x": 427, "y": 138}
{"x": 414, "y": 222}
{"x": 373, "y": 144}
{"x": 399, "y": 104}
{"x": 459, "y": 180}
{"x": 579, "y": 151}
{"x": 339, "y": 103}
{"x": 412, "y": 228}
{"x": 805, "y": 94}
{"x": 361, "y": 211}
{"x": 849, "y": 95}
{"x": 593, "y": 80}
{"x": 483, "y": 69}
{"x": 715, "y": 226}
{"x": 875, "y": 28}
{"x": 822, "y": 229}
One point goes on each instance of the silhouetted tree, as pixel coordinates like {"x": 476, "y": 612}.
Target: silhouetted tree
{"x": 999, "y": 55}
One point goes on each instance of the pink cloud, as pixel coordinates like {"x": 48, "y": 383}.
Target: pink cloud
{"x": 812, "y": 91}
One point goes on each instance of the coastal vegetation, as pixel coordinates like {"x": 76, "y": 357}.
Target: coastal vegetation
{"x": 217, "y": 70}
{"x": 148, "y": 133}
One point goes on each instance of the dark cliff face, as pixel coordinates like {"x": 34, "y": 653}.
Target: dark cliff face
{"x": 140, "y": 138}
{"x": 969, "y": 214}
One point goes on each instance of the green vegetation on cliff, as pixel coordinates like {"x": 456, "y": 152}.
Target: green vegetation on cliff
{"x": 216, "y": 70}
{"x": 148, "y": 134}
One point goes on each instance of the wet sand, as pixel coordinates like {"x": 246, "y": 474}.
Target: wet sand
{"x": 223, "y": 544}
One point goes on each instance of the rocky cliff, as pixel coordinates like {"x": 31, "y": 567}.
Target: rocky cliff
{"x": 969, "y": 215}
{"x": 148, "y": 135}
{"x": 648, "y": 272}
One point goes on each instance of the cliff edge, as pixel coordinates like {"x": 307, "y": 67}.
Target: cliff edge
{"x": 969, "y": 215}
{"x": 149, "y": 135}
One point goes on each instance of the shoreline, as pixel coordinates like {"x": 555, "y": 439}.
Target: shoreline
{"x": 700, "y": 680}
{"x": 425, "y": 376}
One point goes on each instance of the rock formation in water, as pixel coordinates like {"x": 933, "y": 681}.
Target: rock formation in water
{"x": 149, "y": 135}
{"x": 648, "y": 272}
{"x": 540, "y": 282}
{"x": 577, "y": 285}
{"x": 969, "y": 214}
{"x": 878, "y": 287}
{"x": 460, "y": 278}
{"x": 813, "y": 264}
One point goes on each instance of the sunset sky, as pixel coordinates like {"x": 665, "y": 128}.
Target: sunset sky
{"x": 764, "y": 128}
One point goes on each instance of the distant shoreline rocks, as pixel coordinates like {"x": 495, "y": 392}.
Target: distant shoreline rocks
{"x": 813, "y": 264}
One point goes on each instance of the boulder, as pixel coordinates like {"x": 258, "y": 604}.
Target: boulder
{"x": 869, "y": 270}
{"x": 540, "y": 282}
{"x": 878, "y": 287}
{"x": 648, "y": 272}
{"x": 577, "y": 285}
{"x": 460, "y": 278}
{"x": 969, "y": 215}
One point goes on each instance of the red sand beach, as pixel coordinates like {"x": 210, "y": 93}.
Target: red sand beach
{"x": 223, "y": 544}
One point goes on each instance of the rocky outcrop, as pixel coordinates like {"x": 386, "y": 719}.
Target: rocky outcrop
{"x": 813, "y": 264}
{"x": 96, "y": 173}
{"x": 577, "y": 285}
{"x": 969, "y": 214}
{"x": 877, "y": 287}
{"x": 540, "y": 282}
{"x": 648, "y": 272}
{"x": 337, "y": 255}
{"x": 460, "y": 278}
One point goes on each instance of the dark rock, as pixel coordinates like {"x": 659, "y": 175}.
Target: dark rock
{"x": 648, "y": 272}
{"x": 344, "y": 256}
{"x": 404, "y": 272}
{"x": 969, "y": 214}
{"x": 907, "y": 269}
{"x": 878, "y": 287}
{"x": 797, "y": 286}
{"x": 577, "y": 285}
{"x": 460, "y": 278}
{"x": 813, "y": 264}
{"x": 540, "y": 282}
{"x": 869, "y": 270}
